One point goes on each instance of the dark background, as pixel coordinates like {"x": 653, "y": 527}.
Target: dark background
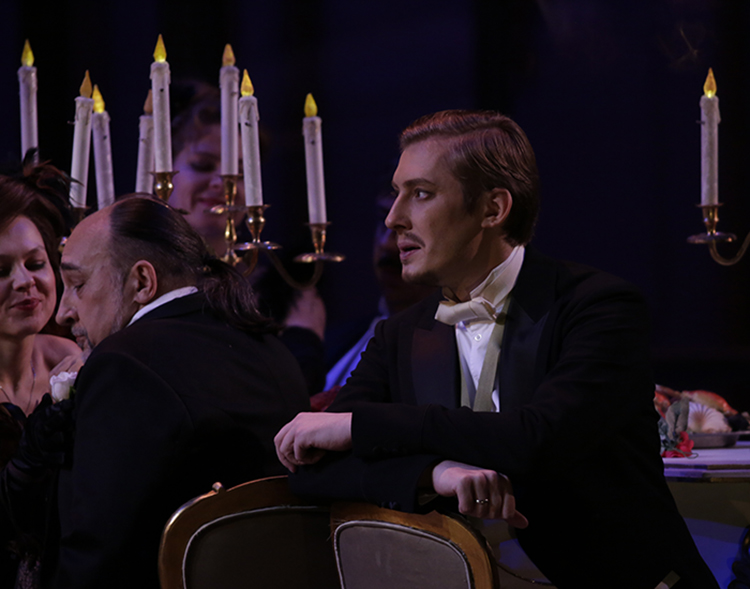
{"x": 607, "y": 91}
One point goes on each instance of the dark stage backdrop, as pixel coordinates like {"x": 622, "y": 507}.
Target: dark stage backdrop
{"x": 607, "y": 92}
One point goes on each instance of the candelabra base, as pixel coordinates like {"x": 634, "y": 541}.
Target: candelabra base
{"x": 715, "y": 237}
{"x": 227, "y": 209}
{"x": 256, "y": 245}
{"x": 321, "y": 257}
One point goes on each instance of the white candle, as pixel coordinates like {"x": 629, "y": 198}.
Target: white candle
{"x": 710, "y": 120}
{"x": 229, "y": 81}
{"x": 79, "y": 167}
{"x": 105, "y": 184}
{"x": 162, "y": 122}
{"x": 250, "y": 144}
{"x": 144, "y": 179}
{"x": 27, "y": 92}
{"x": 316, "y": 196}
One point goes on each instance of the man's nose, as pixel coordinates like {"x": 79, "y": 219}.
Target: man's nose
{"x": 398, "y": 217}
{"x": 65, "y": 313}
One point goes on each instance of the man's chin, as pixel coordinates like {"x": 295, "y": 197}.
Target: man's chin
{"x": 414, "y": 276}
{"x": 83, "y": 341}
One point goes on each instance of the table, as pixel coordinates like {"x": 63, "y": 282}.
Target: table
{"x": 712, "y": 491}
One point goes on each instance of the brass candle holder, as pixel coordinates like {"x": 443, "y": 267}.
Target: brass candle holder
{"x": 256, "y": 221}
{"x": 318, "y": 234}
{"x": 163, "y": 185}
{"x": 229, "y": 208}
{"x": 711, "y": 237}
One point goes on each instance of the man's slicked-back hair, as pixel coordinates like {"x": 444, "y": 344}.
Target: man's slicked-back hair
{"x": 147, "y": 229}
{"x": 486, "y": 150}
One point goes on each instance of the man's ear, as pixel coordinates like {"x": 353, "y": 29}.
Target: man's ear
{"x": 498, "y": 203}
{"x": 141, "y": 284}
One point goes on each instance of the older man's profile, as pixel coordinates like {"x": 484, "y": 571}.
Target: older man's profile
{"x": 185, "y": 386}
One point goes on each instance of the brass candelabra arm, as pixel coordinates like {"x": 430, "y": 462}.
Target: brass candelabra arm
{"x": 711, "y": 237}
{"x": 317, "y": 272}
{"x": 719, "y": 259}
{"x": 256, "y": 221}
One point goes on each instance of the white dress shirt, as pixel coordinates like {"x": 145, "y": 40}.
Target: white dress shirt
{"x": 163, "y": 300}
{"x": 472, "y": 337}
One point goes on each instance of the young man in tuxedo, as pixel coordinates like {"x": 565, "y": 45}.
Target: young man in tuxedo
{"x": 523, "y": 389}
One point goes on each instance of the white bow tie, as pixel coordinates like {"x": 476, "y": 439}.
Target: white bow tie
{"x": 451, "y": 313}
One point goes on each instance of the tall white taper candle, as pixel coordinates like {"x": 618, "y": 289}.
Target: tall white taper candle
{"x": 249, "y": 118}
{"x": 316, "y": 196}
{"x": 229, "y": 82}
{"x": 79, "y": 167}
{"x": 162, "y": 122}
{"x": 27, "y": 85}
{"x": 144, "y": 179}
{"x": 710, "y": 120}
{"x": 105, "y": 183}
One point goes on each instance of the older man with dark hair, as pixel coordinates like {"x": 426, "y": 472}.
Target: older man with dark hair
{"x": 525, "y": 371}
{"x": 185, "y": 386}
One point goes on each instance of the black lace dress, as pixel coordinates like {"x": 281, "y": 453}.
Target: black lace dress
{"x": 19, "y": 550}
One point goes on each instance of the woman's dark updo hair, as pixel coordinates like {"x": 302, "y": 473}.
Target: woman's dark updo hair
{"x": 38, "y": 192}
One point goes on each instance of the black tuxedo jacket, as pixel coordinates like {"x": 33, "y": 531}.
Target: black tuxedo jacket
{"x": 576, "y": 434}
{"x": 164, "y": 409}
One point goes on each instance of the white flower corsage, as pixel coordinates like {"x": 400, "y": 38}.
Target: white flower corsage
{"x": 61, "y": 385}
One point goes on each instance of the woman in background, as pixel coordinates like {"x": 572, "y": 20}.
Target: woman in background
{"x": 196, "y": 142}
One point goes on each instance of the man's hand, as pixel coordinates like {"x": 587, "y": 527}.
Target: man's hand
{"x": 72, "y": 363}
{"x": 305, "y": 439}
{"x": 480, "y": 492}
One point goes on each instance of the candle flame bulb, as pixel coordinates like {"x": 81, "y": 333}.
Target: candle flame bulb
{"x": 148, "y": 106}
{"x": 246, "y": 89}
{"x": 85, "y": 89}
{"x": 160, "y": 53}
{"x": 27, "y": 56}
{"x": 311, "y": 109}
{"x": 98, "y": 100}
{"x": 709, "y": 88}
{"x": 228, "y": 57}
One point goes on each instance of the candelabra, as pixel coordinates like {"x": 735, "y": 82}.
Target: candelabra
{"x": 711, "y": 237}
{"x": 255, "y": 219}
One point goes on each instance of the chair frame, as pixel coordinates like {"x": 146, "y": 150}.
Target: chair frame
{"x": 188, "y": 520}
{"x": 475, "y": 549}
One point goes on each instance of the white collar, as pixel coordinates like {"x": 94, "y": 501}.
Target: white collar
{"x": 501, "y": 279}
{"x": 177, "y": 293}
{"x": 487, "y": 299}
